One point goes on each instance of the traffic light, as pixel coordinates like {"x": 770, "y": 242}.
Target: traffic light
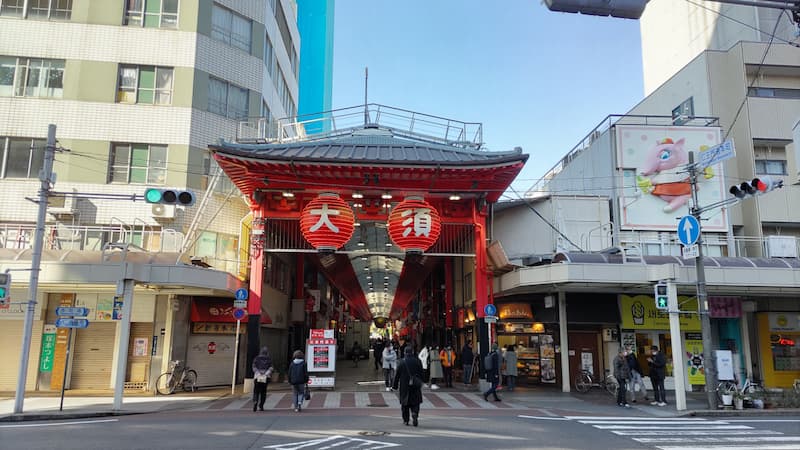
{"x": 624, "y": 9}
{"x": 5, "y": 288}
{"x": 662, "y": 298}
{"x": 169, "y": 196}
{"x": 755, "y": 187}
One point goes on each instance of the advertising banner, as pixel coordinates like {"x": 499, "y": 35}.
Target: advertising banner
{"x": 695, "y": 367}
{"x": 656, "y": 186}
{"x": 48, "y": 348}
{"x": 640, "y": 313}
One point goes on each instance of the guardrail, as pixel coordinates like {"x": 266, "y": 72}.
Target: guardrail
{"x": 90, "y": 238}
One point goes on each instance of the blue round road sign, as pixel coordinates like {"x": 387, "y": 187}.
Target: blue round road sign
{"x": 688, "y": 230}
{"x": 490, "y": 310}
{"x": 238, "y": 314}
{"x": 241, "y": 294}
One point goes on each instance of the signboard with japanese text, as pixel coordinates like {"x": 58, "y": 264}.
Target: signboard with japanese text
{"x": 655, "y": 184}
{"x": 48, "y": 348}
{"x": 724, "y": 307}
{"x": 640, "y": 313}
{"x": 216, "y": 328}
{"x": 140, "y": 347}
{"x": 514, "y": 311}
{"x": 321, "y": 355}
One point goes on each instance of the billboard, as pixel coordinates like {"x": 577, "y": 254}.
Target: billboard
{"x": 656, "y": 190}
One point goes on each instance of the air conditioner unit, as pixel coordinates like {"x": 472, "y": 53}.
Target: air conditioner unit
{"x": 160, "y": 211}
{"x": 62, "y": 206}
{"x": 782, "y": 246}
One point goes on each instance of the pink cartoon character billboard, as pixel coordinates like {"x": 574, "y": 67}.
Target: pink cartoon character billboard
{"x": 656, "y": 185}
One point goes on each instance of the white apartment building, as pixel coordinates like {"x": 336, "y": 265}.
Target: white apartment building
{"x": 138, "y": 89}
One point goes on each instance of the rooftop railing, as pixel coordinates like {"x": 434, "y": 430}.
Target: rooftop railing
{"x": 344, "y": 121}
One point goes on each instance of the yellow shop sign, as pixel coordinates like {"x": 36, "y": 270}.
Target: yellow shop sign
{"x": 640, "y": 313}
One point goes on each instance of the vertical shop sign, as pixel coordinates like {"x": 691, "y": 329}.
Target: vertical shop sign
{"x": 694, "y": 359}
{"x": 48, "y": 348}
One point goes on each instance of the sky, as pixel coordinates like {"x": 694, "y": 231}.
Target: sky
{"x": 536, "y": 79}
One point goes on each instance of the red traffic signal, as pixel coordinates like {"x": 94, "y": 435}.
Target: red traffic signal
{"x": 756, "y": 187}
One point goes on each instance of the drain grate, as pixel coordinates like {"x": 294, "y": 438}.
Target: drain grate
{"x": 374, "y": 433}
{"x": 377, "y": 405}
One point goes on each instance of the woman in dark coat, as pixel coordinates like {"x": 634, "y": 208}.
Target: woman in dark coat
{"x": 410, "y": 394}
{"x": 262, "y": 370}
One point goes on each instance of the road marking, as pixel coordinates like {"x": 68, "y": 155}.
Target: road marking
{"x": 427, "y": 417}
{"x": 334, "y": 441}
{"x": 82, "y": 422}
{"x": 675, "y": 428}
{"x": 652, "y": 422}
{"x": 696, "y": 433}
{"x": 542, "y": 418}
{"x": 669, "y": 419}
{"x": 717, "y": 440}
{"x": 732, "y": 447}
{"x": 764, "y": 420}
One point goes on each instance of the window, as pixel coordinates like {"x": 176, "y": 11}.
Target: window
{"x": 28, "y": 77}
{"x": 231, "y": 28}
{"x": 145, "y": 84}
{"x": 138, "y": 163}
{"x": 211, "y": 168}
{"x": 269, "y": 57}
{"x": 12, "y": 8}
{"x": 773, "y": 92}
{"x": 152, "y": 13}
{"x": 771, "y": 167}
{"x": 21, "y": 157}
{"x": 50, "y": 9}
{"x": 227, "y": 99}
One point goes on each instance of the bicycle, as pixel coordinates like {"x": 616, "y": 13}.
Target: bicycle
{"x": 729, "y": 387}
{"x": 585, "y": 381}
{"x": 178, "y": 375}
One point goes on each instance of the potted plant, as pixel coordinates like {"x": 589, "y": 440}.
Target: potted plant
{"x": 738, "y": 399}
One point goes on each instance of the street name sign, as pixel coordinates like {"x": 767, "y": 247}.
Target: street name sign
{"x": 716, "y": 154}
{"x": 690, "y": 251}
{"x": 72, "y": 311}
{"x": 72, "y": 323}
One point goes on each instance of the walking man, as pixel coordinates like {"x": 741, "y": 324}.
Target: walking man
{"x": 658, "y": 364}
{"x": 466, "y": 361}
{"x": 491, "y": 364}
{"x": 448, "y": 357}
{"x": 622, "y": 373}
{"x": 408, "y": 381}
{"x": 377, "y": 352}
{"x": 298, "y": 378}
{"x": 636, "y": 374}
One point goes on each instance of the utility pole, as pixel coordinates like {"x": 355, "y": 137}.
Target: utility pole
{"x": 702, "y": 299}
{"x": 46, "y": 177}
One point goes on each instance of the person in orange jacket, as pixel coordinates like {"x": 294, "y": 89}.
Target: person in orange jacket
{"x": 448, "y": 357}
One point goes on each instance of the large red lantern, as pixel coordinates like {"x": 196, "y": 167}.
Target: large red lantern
{"x": 414, "y": 225}
{"x": 327, "y": 222}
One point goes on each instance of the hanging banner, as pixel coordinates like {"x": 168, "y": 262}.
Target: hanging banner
{"x": 695, "y": 367}
{"x": 48, "y": 348}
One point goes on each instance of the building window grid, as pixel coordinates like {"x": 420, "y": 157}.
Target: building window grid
{"x": 137, "y": 163}
{"x": 30, "y": 77}
{"x": 150, "y": 85}
{"x": 771, "y": 167}
{"x": 227, "y": 99}
{"x": 152, "y": 13}
{"x": 768, "y": 92}
{"x": 37, "y": 9}
{"x": 211, "y": 168}
{"x": 231, "y": 28}
{"x": 21, "y": 157}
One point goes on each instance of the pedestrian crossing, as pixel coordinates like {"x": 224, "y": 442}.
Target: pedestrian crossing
{"x": 678, "y": 433}
{"x": 338, "y": 400}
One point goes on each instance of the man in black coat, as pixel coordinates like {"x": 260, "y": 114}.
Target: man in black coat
{"x": 493, "y": 373}
{"x": 658, "y": 364}
{"x": 410, "y": 389}
{"x": 377, "y": 351}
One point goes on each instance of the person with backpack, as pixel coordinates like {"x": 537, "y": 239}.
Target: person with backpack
{"x": 298, "y": 378}
{"x": 491, "y": 364}
{"x": 408, "y": 382}
{"x": 262, "y": 371}
{"x": 448, "y": 360}
{"x": 467, "y": 357}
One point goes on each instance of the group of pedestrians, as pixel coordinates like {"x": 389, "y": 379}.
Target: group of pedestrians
{"x": 262, "y": 373}
{"x": 627, "y": 371}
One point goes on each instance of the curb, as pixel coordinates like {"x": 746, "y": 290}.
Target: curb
{"x": 29, "y": 417}
{"x": 741, "y": 413}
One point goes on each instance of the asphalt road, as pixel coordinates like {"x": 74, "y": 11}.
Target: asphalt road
{"x": 371, "y": 429}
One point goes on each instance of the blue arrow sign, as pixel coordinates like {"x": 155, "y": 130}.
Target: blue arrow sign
{"x": 242, "y": 294}
{"x": 688, "y": 230}
{"x": 72, "y": 323}
{"x": 72, "y": 311}
{"x": 490, "y": 310}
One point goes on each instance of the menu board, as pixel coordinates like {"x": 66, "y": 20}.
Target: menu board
{"x": 321, "y": 355}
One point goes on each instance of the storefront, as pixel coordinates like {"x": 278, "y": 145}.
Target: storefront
{"x": 643, "y": 325}
{"x": 779, "y": 347}
{"x": 534, "y": 342}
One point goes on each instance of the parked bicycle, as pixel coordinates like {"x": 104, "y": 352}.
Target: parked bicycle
{"x": 178, "y": 375}
{"x": 585, "y": 381}
{"x": 748, "y": 389}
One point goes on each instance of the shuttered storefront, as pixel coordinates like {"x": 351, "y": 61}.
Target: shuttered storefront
{"x": 93, "y": 354}
{"x": 211, "y": 355}
{"x": 139, "y": 354}
{"x": 11, "y": 336}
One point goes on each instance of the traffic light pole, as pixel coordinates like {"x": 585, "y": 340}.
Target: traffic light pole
{"x": 702, "y": 299}
{"x": 46, "y": 178}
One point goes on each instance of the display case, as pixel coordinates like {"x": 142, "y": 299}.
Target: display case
{"x": 535, "y": 356}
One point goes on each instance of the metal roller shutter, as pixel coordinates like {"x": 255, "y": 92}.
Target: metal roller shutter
{"x": 93, "y": 354}
{"x": 211, "y": 355}
{"x": 11, "y": 335}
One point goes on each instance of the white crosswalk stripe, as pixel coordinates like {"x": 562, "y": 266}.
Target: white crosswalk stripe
{"x": 677, "y": 433}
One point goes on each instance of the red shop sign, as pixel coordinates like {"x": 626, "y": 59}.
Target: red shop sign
{"x": 327, "y": 222}
{"x": 414, "y": 225}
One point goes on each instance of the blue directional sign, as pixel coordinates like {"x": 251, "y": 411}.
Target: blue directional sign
{"x": 72, "y": 323}
{"x": 242, "y": 294}
{"x": 688, "y": 230}
{"x": 490, "y": 310}
{"x": 72, "y": 311}
{"x": 239, "y": 314}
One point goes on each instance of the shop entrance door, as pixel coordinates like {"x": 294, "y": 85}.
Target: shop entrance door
{"x": 584, "y": 354}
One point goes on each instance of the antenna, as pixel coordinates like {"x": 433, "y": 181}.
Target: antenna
{"x": 366, "y": 83}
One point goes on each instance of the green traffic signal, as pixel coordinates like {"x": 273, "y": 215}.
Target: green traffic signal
{"x": 152, "y": 195}
{"x": 661, "y": 303}
{"x": 2, "y": 292}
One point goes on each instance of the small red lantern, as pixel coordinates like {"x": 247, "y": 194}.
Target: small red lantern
{"x": 414, "y": 225}
{"x": 327, "y": 222}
